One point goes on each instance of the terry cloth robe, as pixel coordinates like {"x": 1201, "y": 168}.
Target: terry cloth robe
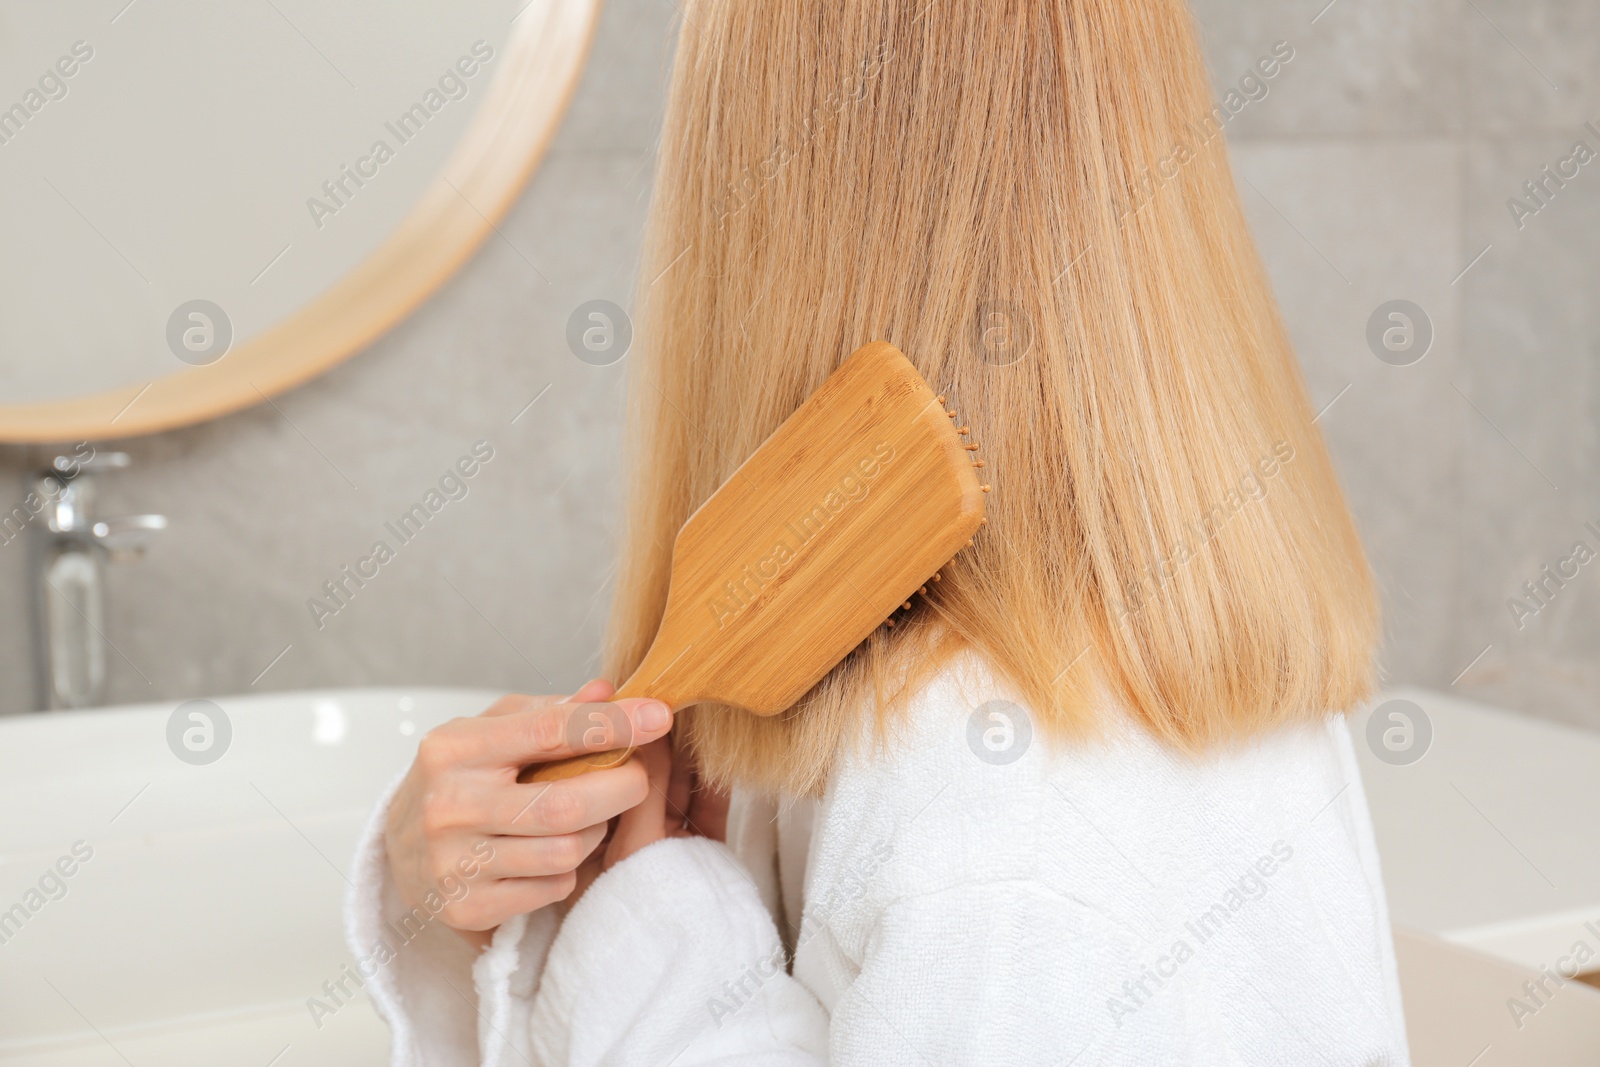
{"x": 970, "y": 895}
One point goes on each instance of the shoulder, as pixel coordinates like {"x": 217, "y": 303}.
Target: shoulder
{"x": 965, "y": 788}
{"x": 967, "y": 727}
{"x": 1111, "y": 865}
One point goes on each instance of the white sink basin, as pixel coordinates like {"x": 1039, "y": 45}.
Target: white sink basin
{"x": 209, "y": 910}
{"x": 1487, "y": 840}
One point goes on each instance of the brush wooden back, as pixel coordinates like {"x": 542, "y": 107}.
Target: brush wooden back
{"x": 853, "y": 503}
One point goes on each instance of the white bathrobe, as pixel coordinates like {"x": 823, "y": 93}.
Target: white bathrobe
{"x": 969, "y": 896}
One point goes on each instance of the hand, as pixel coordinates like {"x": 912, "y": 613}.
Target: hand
{"x": 679, "y": 804}
{"x": 462, "y": 831}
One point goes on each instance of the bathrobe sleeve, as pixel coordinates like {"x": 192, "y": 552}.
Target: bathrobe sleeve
{"x": 671, "y": 958}
{"x": 446, "y": 1003}
{"x": 1103, "y": 905}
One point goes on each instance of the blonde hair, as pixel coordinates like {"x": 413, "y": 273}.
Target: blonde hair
{"x": 1165, "y": 525}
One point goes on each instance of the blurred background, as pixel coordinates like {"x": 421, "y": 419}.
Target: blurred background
{"x": 1412, "y": 175}
{"x": 1377, "y": 167}
{"x": 1380, "y": 168}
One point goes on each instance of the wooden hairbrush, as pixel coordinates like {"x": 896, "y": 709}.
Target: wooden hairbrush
{"x": 836, "y": 521}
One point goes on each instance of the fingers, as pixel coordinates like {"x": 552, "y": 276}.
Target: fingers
{"x": 462, "y": 834}
{"x": 540, "y": 809}
{"x": 595, "y": 689}
{"x": 493, "y": 902}
{"x": 506, "y": 876}
{"x": 519, "y": 730}
{"x": 537, "y": 857}
{"x": 694, "y": 809}
{"x": 645, "y": 823}
{"x": 556, "y": 731}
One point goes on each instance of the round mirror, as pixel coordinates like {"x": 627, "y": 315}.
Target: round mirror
{"x": 207, "y": 207}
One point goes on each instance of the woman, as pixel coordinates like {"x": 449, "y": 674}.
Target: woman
{"x": 1093, "y": 798}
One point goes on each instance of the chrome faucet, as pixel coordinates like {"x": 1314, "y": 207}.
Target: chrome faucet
{"x": 69, "y": 602}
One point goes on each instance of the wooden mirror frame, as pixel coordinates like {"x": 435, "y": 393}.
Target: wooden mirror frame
{"x": 503, "y": 143}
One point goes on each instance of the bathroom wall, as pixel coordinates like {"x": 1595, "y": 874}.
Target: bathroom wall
{"x": 1375, "y": 165}
{"x": 503, "y": 588}
{"x": 1378, "y": 167}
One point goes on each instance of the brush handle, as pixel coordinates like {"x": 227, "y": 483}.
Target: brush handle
{"x": 571, "y": 768}
{"x": 664, "y": 675}
{"x": 589, "y": 761}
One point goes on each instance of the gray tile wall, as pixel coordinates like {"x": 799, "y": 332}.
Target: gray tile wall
{"x": 1377, "y": 167}
{"x": 504, "y": 588}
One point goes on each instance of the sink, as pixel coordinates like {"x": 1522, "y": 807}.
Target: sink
{"x": 203, "y": 905}
{"x": 208, "y": 910}
{"x": 1485, "y": 839}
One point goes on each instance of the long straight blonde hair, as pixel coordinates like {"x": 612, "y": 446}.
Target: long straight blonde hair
{"x": 1031, "y": 199}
